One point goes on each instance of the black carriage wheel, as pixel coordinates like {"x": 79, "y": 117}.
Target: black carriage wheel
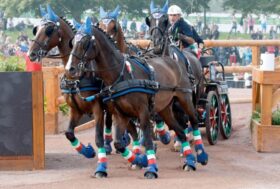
{"x": 212, "y": 119}
{"x": 225, "y": 126}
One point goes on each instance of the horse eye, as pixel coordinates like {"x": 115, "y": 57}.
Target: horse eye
{"x": 34, "y": 30}
{"x": 49, "y": 30}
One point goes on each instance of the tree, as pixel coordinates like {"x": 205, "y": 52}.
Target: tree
{"x": 76, "y": 8}
{"x": 250, "y": 6}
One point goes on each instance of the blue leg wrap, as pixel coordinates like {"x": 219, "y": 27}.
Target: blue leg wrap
{"x": 190, "y": 161}
{"x": 101, "y": 168}
{"x": 166, "y": 138}
{"x": 152, "y": 168}
{"x": 141, "y": 160}
{"x": 202, "y": 156}
{"x": 87, "y": 151}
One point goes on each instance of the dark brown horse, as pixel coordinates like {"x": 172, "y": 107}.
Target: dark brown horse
{"x": 131, "y": 87}
{"x": 54, "y": 31}
{"x": 113, "y": 29}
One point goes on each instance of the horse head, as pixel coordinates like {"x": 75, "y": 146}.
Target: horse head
{"x": 108, "y": 21}
{"x": 158, "y": 22}
{"x": 48, "y": 34}
{"x": 83, "y": 51}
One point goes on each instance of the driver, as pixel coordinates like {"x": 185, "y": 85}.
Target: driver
{"x": 182, "y": 30}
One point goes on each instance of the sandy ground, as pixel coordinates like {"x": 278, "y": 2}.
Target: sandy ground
{"x": 232, "y": 164}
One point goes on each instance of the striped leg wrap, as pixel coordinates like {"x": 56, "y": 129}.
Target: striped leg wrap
{"x": 128, "y": 155}
{"x": 136, "y": 147}
{"x": 108, "y": 135}
{"x": 160, "y": 128}
{"x": 186, "y": 148}
{"x": 102, "y": 158}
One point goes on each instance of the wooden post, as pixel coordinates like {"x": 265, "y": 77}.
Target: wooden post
{"x": 52, "y": 92}
{"x": 266, "y": 102}
{"x": 255, "y": 56}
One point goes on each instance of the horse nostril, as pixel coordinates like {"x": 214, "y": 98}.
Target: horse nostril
{"x": 72, "y": 71}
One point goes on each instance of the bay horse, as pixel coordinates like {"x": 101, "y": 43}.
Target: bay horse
{"x": 132, "y": 90}
{"x": 55, "y": 31}
{"x": 112, "y": 27}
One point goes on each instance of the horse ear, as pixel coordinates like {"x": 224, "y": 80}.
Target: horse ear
{"x": 52, "y": 16}
{"x": 152, "y": 6}
{"x": 165, "y": 7}
{"x": 76, "y": 24}
{"x": 34, "y": 31}
{"x": 71, "y": 43}
{"x": 42, "y": 11}
{"x": 102, "y": 13}
{"x": 116, "y": 12}
{"x": 148, "y": 22}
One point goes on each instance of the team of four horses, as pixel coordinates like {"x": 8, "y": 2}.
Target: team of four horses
{"x": 106, "y": 75}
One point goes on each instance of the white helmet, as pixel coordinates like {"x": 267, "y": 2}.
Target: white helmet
{"x": 174, "y": 9}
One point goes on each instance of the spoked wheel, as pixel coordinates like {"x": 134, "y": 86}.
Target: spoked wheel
{"x": 212, "y": 119}
{"x": 225, "y": 125}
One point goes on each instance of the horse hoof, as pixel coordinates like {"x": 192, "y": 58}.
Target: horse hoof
{"x": 165, "y": 139}
{"x": 151, "y": 175}
{"x": 202, "y": 157}
{"x": 189, "y": 168}
{"x": 100, "y": 175}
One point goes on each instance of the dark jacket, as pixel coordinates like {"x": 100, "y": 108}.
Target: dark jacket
{"x": 182, "y": 27}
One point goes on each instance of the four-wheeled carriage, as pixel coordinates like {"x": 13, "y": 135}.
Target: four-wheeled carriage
{"x": 213, "y": 109}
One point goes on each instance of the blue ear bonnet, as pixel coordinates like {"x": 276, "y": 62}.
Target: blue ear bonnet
{"x": 109, "y": 15}
{"x": 154, "y": 9}
{"x": 86, "y": 28}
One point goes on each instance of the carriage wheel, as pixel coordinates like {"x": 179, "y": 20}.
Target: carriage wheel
{"x": 212, "y": 118}
{"x": 225, "y": 125}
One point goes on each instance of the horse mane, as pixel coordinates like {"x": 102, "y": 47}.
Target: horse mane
{"x": 69, "y": 24}
{"x": 110, "y": 39}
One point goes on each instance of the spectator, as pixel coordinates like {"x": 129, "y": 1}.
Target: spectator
{"x": 199, "y": 24}
{"x": 272, "y": 33}
{"x": 278, "y": 24}
{"x": 124, "y": 24}
{"x": 10, "y": 24}
{"x": 245, "y": 24}
{"x": 251, "y": 23}
{"x": 247, "y": 55}
{"x": 215, "y": 33}
{"x": 263, "y": 21}
{"x": 143, "y": 30}
{"x": 22, "y": 37}
{"x": 254, "y": 35}
{"x": 234, "y": 25}
{"x": 20, "y": 26}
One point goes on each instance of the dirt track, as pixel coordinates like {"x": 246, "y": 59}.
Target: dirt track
{"x": 232, "y": 164}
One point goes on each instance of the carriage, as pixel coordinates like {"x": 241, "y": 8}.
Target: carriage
{"x": 213, "y": 109}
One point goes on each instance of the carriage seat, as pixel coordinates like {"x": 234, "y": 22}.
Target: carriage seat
{"x": 206, "y": 59}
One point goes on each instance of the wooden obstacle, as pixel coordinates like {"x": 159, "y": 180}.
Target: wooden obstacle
{"x": 265, "y": 136}
{"x": 22, "y": 146}
{"x": 53, "y": 99}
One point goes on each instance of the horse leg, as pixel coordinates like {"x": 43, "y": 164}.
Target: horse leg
{"x": 147, "y": 129}
{"x": 186, "y": 103}
{"x": 131, "y": 157}
{"x": 169, "y": 118}
{"x": 164, "y": 136}
{"x": 108, "y": 133}
{"x": 86, "y": 151}
{"x": 131, "y": 128}
{"x": 101, "y": 169}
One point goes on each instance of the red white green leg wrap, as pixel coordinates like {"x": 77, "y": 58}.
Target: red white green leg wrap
{"x": 202, "y": 156}
{"x": 152, "y": 165}
{"x": 86, "y": 151}
{"x": 164, "y": 136}
{"x": 136, "y": 147}
{"x": 102, "y": 162}
{"x": 139, "y": 160}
